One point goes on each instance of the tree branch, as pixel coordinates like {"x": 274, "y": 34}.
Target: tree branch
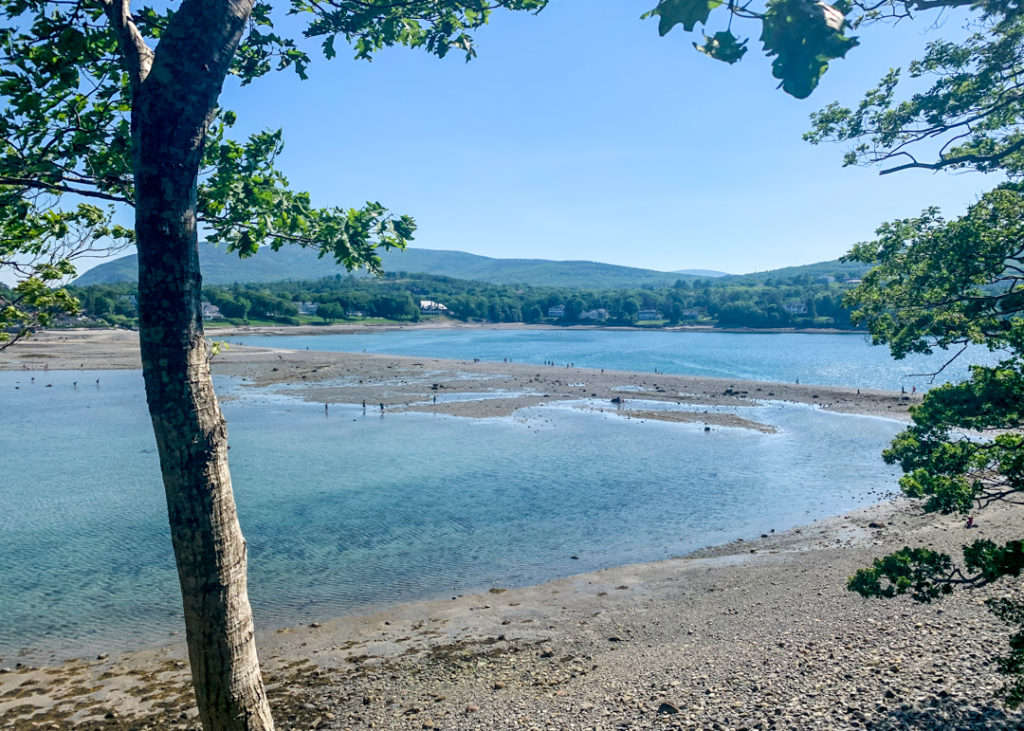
{"x": 60, "y": 188}
{"x": 960, "y": 160}
{"x": 137, "y": 55}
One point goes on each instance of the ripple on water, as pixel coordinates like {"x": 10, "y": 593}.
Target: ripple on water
{"x": 349, "y": 512}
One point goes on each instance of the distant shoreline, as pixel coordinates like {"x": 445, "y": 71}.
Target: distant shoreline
{"x": 352, "y": 327}
{"x": 531, "y": 384}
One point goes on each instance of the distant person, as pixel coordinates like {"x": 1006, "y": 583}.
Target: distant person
{"x": 382, "y": 407}
{"x": 970, "y": 521}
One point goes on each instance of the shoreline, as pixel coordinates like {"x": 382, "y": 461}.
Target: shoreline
{"x": 412, "y": 383}
{"x": 736, "y": 634}
{"x": 757, "y": 633}
{"x": 354, "y": 327}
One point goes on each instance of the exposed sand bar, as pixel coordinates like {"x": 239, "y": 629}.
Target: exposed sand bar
{"x": 757, "y": 634}
{"x": 407, "y": 383}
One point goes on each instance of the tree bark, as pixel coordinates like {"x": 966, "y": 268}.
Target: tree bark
{"x": 173, "y": 107}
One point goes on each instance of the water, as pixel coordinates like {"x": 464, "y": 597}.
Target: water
{"x": 352, "y": 511}
{"x": 820, "y": 359}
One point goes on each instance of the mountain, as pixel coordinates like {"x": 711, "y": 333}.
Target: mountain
{"x": 295, "y": 263}
{"x": 841, "y": 270}
{"x": 712, "y": 273}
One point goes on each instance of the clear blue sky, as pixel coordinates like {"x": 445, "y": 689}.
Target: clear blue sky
{"x": 579, "y": 133}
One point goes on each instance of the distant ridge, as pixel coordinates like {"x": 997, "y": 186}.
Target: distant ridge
{"x": 295, "y": 263}
{"x": 841, "y": 270}
{"x": 702, "y": 273}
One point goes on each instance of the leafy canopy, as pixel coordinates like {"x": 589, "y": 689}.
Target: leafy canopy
{"x": 951, "y": 284}
{"x": 65, "y": 136}
{"x": 802, "y": 36}
{"x": 968, "y": 117}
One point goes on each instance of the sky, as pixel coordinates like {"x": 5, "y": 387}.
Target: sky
{"x": 579, "y": 133}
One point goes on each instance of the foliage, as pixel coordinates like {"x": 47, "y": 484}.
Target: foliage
{"x": 969, "y": 116}
{"x": 909, "y": 570}
{"x": 944, "y": 283}
{"x": 40, "y": 246}
{"x": 802, "y": 36}
{"x": 795, "y": 302}
{"x": 66, "y": 135}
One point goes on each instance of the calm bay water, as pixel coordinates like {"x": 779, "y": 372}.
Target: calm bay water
{"x": 819, "y": 359}
{"x": 352, "y": 511}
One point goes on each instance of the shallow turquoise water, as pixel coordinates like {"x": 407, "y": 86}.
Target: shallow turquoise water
{"x": 819, "y": 359}
{"x": 352, "y": 511}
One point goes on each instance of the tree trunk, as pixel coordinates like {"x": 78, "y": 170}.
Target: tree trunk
{"x": 173, "y": 107}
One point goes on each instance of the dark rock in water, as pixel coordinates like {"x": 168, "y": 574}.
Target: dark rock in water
{"x": 617, "y": 400}
{"x": 668, "y": 708}
{"x": 874, "y": 525}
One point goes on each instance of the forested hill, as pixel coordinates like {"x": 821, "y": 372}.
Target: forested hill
{"x": 840, "y": 270}
{"x": 294, "y": 263}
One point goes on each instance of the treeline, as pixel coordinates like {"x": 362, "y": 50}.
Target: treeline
{"x": 797, "y": 302}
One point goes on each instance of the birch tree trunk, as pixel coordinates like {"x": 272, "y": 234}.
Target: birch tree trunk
{"x": 175, "y": 99}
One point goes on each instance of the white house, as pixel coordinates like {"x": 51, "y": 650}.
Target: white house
{"x": 558, "y": 311}
{"x": 429, "y": 307}
{"x": 210, "y": 312}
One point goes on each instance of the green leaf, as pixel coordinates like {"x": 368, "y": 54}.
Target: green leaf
{"x": 804, "y": 36}
{"x": 682, "y": 12}
{"x": 723, "y": 46}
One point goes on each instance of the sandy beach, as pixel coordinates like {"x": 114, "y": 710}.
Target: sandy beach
{"x": 749, "y": 635}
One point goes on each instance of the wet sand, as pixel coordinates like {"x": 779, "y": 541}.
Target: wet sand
{"x": 408, "y": 383}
